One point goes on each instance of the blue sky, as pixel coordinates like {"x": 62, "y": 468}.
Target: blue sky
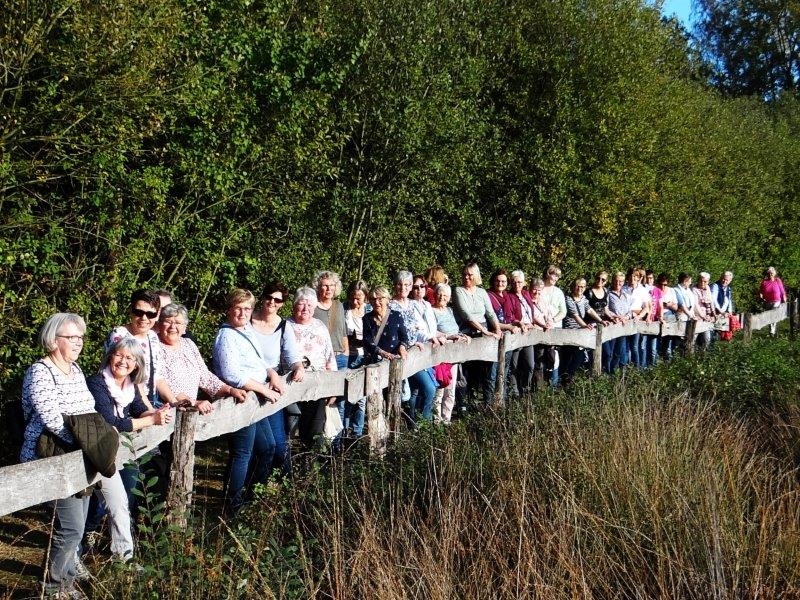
{"x": 681, "y": 8}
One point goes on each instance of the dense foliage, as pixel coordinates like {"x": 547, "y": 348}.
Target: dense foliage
{"x": 197, "y": 145}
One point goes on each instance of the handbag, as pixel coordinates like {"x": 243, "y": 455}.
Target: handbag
{"x": 443, "y": 373}
{"x": 333, "y": 422}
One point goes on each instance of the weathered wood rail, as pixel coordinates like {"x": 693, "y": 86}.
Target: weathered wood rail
{"x": 32, "y": 483}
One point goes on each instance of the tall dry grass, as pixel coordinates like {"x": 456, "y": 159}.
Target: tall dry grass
{"x": 623, "y": 488}
{"x": 642, "y": 497}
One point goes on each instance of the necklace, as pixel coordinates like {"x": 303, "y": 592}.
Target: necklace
{"x": 67, "y": 371}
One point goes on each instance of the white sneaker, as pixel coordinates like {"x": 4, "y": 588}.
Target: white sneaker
{"x": 81, "y": 572}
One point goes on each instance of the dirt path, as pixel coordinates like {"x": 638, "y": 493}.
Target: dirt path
{"x": 24, "y": 535}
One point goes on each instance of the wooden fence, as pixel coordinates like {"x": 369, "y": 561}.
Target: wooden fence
{"x": 32, "y": 483}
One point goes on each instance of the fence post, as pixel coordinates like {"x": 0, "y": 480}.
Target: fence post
{"x": 747, "y": 327}
{"x": 792, "y": 312}
{"x": 597, "y": 366}
{"x": 376, "y": 420}
{"x": 395, "y": 394}
{"x": 500, "y": 385}
{"x": 688, "y": 340}
{"x": 181, "y": 473}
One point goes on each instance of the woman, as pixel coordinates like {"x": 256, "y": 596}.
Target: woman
{"x": 509, "y": 314}
{"x": 597, "y": 296}
{"x": 445, "y": 398}
{"x": 385, "y": 334}
{"x": 331, "y": 312}
{"x": 640, "y": 311}
{"x": 476, "y": 317}
{"x": 434, "y": 275}
{"x": 144, "y": 308}
{"x": 279, "y": 347}
{"x": 579, "y": 316}
{"x": 117, "y": 397}
{"x": 55, "y": 386}
{"x": 240, "y": 363}
{"x": 184, "y": 368}
{"x": 523, "y": 360}
{"x": 619, "y": 303}
{"x": 357, "y": 295}
{"x": 667, "y": 313}
{"x": 421, "y": 327}
{"x": 314, "y": 342}
{"x": 772, "y": 293}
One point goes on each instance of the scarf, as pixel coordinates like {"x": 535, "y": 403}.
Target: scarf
{"x": 122, "y": 396}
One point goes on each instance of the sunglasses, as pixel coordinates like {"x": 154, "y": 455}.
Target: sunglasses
{"x": 419, "y": 286}
{"x": 273, "y": 299}
{"x": 138, "y": 312}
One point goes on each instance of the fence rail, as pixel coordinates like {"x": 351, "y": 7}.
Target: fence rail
{"x": 34, "y": 482}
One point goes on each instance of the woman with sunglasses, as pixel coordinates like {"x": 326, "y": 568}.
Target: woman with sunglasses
{"x": 278, "y": 342}
{"x": 144, "y": 308}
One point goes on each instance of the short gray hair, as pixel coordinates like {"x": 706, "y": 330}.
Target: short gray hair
{"x": 402, "y": 276}
{"x": 704, "y": 275}
{"x": 518, "y": 274}
{"x": 305, "y": 293}
{"x": 728, "y": 274}
{"x": 536, "y": 283}
{"x": 49, "y": 331}
{"x": 170, "y": 310}
{"x": 132, "y": 345}
{"x": 443, "y": 287}
{"x": 320, "y": 275}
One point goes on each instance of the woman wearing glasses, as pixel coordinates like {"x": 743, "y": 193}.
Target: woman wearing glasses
{"x": 143, "y": 310}
{"x": 240, "y": 362}
{"x": 54, "y": 386}
{"x": 278, "y": 342}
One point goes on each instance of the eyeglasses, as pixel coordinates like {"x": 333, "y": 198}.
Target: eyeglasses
{"x": 123, "y": 358}
{"x": 138, "y": 312}
{"x": 419, "y": 286}
{"x": 75, "y": 339}
{"x": 177, "y": 324}
{"x": 269, "y": 299}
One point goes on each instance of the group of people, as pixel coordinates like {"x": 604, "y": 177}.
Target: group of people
{"x": 151, "y": 364}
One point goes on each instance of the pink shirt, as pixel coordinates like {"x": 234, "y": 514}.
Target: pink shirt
{"x": 772, "y": 291}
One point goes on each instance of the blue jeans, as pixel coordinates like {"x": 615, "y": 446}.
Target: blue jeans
{"x": 251, "y": 450}
{"x": 67, "y": 533}
{"x": 650, "y": 349}
{"x": 283, "y": 457}
{"x": 422, "y": 382}
{"x": 619, "y": 357}
{"x": 635, "y": 350}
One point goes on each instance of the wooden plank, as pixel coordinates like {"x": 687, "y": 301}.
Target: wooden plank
{"x": 648, "y": 327}
{"x": 354, "y": 384}
{"x": 230, "y": 416}
{"x": 584, "y": 338}
{"x": 768, "y": 317}
{"x": 613, "y": 332}
{"x": 32, "y": 483}
{"x": 675, "y": 329}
